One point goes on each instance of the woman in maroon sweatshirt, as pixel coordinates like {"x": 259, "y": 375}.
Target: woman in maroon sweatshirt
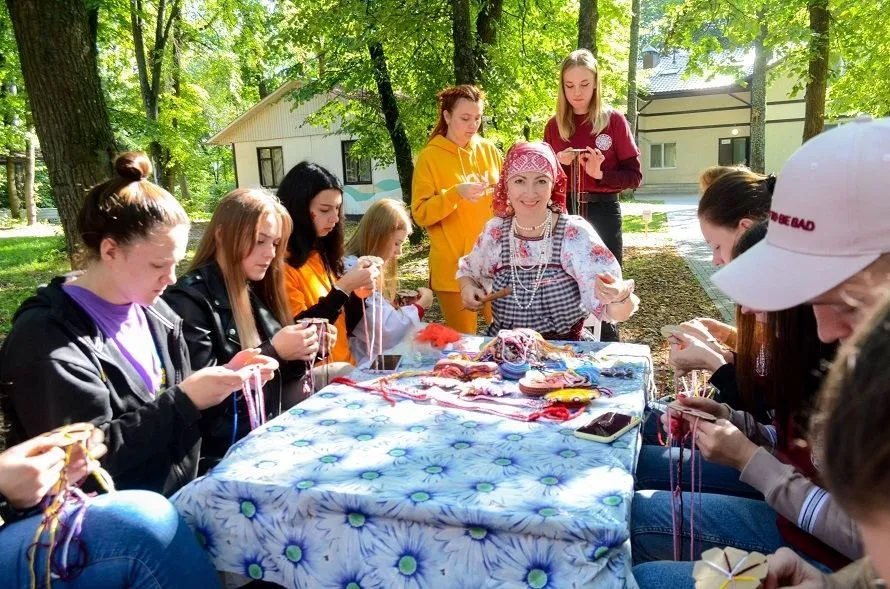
{"x": 599, "y": 136}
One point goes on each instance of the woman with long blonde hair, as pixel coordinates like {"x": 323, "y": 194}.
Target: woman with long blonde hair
{"x": 451, "y": 195}
{"x": 233, "y": 297}
{"x": 382, "y": 232}
{"x": 597, "y": 139}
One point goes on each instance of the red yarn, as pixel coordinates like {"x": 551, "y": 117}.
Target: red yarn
{"x": 438, "y": 335}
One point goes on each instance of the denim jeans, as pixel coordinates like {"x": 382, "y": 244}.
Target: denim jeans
{"x": 132, "y": 539}
{"x": 653, "y": 474}
{"x": 664, "y": 575}
{"x": 720, "y": 521}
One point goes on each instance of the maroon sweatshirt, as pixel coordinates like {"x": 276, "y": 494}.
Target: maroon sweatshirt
{"x": 621, "y": 168}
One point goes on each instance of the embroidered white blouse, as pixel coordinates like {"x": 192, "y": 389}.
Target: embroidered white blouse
{"x": 583, "y": 256}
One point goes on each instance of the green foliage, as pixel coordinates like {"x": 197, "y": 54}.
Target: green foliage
{"x": 26, "y": 263}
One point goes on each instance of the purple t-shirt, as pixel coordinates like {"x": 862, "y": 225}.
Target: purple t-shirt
{"x": 127, "y": 326}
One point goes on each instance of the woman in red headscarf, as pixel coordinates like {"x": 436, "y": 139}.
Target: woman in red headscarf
{"x": 556, "y": 264}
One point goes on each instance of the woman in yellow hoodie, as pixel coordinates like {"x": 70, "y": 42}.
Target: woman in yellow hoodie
{"x": 451, "y": 195}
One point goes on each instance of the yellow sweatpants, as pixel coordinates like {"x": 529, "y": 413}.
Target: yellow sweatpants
{"x": 463, "y": 321}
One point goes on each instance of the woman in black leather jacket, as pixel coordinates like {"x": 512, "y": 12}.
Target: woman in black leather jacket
{"x": 232, "y": 298}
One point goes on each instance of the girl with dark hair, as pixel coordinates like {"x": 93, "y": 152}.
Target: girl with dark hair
{"x": 314, "y": 279}
{"x": 451, "y": 195}
{"x": 104, "y": 348}
{"x": 232, "y": 298}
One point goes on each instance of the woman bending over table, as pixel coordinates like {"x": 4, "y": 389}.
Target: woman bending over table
{"x": 557, "y": 266}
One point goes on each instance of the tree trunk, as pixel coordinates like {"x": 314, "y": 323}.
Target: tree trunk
{"x": 30, "y": 204}
{"x": 486, "y": 34}
{"x": 464, "y": 68}
{"x": 632, "y": 57}
{"x": 758, "y": 101}
{"x": 817, "y": 81}
{"x": 66, "y": 100}
{"x": 11, "y": 189}
{"x": 588, "y": 16}
{"x": 394, "y": 126}
{"x": 263, "y": 89}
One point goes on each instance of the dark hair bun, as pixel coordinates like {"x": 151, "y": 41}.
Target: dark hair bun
{"x": 133, "y": 166}
{"x": 769, "y": 184}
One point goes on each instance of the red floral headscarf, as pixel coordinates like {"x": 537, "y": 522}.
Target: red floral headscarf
{"x": 531, "y": 157}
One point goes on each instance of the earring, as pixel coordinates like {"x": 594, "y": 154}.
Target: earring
{"x": 510, "y": 211}
{"x": 550, "y": 204}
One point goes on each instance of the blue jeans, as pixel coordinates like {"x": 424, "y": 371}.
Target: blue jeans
{"x": 720, "y": 521}
{"x": 667, "y": 575}
{"x": 652, "y": 474}
{"x": 132, "y": 539}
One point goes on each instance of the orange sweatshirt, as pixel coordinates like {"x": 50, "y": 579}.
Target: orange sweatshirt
{"x": 453, "y": 223}
{"x": 307, "y": 285}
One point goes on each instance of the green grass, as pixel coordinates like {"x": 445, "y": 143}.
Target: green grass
{"x": 635, "y": 224}
{"x": 26, "y": 263}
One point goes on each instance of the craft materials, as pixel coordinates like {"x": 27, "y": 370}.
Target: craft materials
{"x": 64, "y": 508}
{"x": 574, "y": 396}
{"x": 514, "y": 371}
{"x": 521, "y": 346}
{"x": 679, "y": 435}
{"x": 252, "y": 393}
{"x": 465, "y": 369}
{"x": 324, "y": 347}
{"x": 493, "y": 296}
{"x": 730, "y": 568}
{"x": 538, "y": 384}
{"x": 573, "y": 203}
{"x": 438, "y": 335}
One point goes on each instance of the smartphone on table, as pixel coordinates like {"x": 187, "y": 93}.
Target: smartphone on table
{"x": 607, "y": 427}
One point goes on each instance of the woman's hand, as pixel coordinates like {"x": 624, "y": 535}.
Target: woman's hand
{"x": 424, "y": 297}
{"x": 332, "y": 339}
{"x": 361, "y": 276}
{"x": 472, "y": 294}
{"x": 719, "y": 330}
{"x": 688, "y": 353}
{"x": 608, "y": 289}
{"x": 592, "y": 160}
{"x": 471, "y": 191}
{"x": 210, "y": 386}
{"x": 787, "y": 569}
{"x": 31, "y": 469}
{"x": 718, "y": 410}
{"x": 296, "y": 342}
{"x": 723, "y": 443}
{"x": 566, "y": 156}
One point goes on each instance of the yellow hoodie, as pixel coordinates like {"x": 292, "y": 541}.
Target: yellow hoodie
{"x": 453, "y": 223}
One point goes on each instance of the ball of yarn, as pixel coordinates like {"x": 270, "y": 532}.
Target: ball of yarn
{"x": 514, "y": 371}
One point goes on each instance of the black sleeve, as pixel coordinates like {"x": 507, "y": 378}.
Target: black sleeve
{"x": 49, "y": 393}
{"x": 328, "y": 307}
{"x": 724, "y": 381}
{"x": 355, "y": 310}
{"x": 197, "y": 326}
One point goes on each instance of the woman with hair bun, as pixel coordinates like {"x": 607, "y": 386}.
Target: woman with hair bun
{"x": 104, "y": 348}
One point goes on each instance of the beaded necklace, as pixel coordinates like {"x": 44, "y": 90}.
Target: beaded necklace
{"x": 539, "y": 267}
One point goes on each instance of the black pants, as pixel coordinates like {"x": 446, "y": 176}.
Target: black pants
{"x": 606, "y": 219}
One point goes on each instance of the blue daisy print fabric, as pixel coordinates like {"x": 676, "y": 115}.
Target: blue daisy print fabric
{"x": 346, "y": 490}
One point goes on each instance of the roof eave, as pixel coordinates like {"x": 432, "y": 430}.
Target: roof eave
{"x": 223, "y": 136}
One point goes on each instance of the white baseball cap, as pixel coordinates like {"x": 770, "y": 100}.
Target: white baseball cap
{"x": 830, "y": 218}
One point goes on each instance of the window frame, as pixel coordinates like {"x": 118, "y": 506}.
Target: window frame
{"x": 661, "y": 146}
{"x": 345, "y": 146}
{"x": 276, "y": 182}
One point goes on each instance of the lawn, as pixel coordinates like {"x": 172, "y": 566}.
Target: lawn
{"x": 26, "y": 263}
{"x": 635, "y": 223}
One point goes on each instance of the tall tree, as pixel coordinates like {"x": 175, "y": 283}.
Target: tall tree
{"x": 69, "y": 110}
{"x": 462, "y": 34}
{"x": 762, "y": 55}
{"x": 394, "y": 126}
{"x": 150, "y": 68}
{"x": 11, "y": 189}
{"x": 588, "y": 17}
{"x": 487, "y": 22}
{"x": 817, "y": 70}
{"x": 28, "y": 198}
{"x": 632, "y": 57}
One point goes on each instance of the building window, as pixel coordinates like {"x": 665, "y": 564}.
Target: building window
{"x": 662, "y": 155}
{"x": 734, "y": 151}
{"x": 356, "y": 170}
{"x": 271, "y": 162}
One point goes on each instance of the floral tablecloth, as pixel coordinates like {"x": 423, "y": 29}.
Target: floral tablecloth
{"x": 345, "y": 490}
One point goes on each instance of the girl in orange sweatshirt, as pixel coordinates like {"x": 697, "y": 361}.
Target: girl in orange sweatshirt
{"x": 451, "y": 195}
{"x": 315, "y": 281}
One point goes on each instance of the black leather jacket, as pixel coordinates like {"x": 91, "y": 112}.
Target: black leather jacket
{"x": 201, "y": 299}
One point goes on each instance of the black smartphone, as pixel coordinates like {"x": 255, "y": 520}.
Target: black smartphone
{"x": 606, "y": 427}
{"x": 386, "y": 362}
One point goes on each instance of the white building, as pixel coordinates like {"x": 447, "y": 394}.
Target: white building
{"x": 273, "y": 136}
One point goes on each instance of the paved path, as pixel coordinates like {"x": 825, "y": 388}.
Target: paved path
{"x": 685, "y": 233}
